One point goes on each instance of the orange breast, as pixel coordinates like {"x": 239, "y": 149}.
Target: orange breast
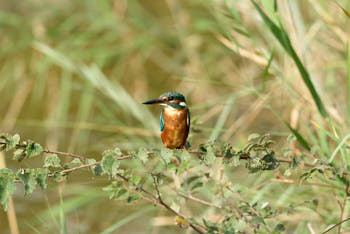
{"x": 175, "y": 130}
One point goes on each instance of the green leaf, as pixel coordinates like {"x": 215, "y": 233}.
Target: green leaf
{"x": 33, "y": 149}
{"x": 110, "y": 165}
{"x": 11, "y": 142}
{"x": 27, "y": 177}
{"x": 122, "y": 194}
{"x": 133, "y": 197}
{"x": 209, "y": 157}
{"x": 19, "y": 155}
{"x": 59, "y": 177}
{"x": 300, "y": 139}
{"x": 257, "y": 220}
{"x": 97, "y": 169}
{"x": 135, "y": 179}
{"x": 41, "y": 176}
{"x": 282, "y": 36}
{"x": 52, "y": 161}
{"x": 74, "y": 163}
{"x": 142, "y": 155}
{"x": 167, "y": 155}
{"x": 7, "y": 186}
{"x": 279, "y": 228}
{"x": 114, "y": 152}
{"x": 112, "y": 189}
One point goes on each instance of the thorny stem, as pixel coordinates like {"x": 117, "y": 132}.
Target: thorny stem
{"x": 243, "y": 156}
{"x": 157, "y": 200}
{"x": 336, "y": 225}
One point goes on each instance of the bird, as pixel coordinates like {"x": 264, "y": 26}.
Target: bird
{"x": 174, "y": 119}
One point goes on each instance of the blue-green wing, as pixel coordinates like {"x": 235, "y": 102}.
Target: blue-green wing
{"x": 161, "y": 121}
{"x": 188, "y": 119}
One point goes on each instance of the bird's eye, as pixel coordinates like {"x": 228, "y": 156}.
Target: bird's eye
{"x": 170, "y": 98}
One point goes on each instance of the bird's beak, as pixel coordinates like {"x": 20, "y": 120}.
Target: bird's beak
{"x": 154, "y": 101}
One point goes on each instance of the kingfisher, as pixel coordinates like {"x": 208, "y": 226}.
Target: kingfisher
{"x": 174, "y": 119}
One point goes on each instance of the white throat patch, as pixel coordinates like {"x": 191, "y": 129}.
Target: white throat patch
{"x": 182, "y": 104}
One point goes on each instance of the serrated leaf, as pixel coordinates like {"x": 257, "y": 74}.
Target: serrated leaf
{"x": 135, "y": 179}
{"x": 6, "y": 171}
{"x": 114, "y": 152}
{"x": 27, "y": 177}
{"x": 19, "y": 155}
{"x": 33, "y": 149}
{"x": 52, "y": 161}
{"x": 74, "y": 163}
{"x": 58, "y": 177}
{"x": 112, "y": 189}
{"x": 98, "y": 170}
{"x": 142, "y": 155}
{"x": 41, "y": 176}
{"x": 167, "y": 155}
{"x": 122, "y": 194}
{"x": 7, "y": 187}
{"x": 253, "y": 136}
{"x": 11, "y": 142}
{"x": 110, "y": 165}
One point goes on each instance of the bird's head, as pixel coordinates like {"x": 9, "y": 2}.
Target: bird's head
{"x": 170, "y": 99}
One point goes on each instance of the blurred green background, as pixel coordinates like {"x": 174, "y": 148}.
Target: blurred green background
{"x": 73, "y": 75}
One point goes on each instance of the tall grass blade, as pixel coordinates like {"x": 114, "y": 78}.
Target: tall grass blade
{"x": 63, "y": 224}
{"x": 339, "y": 147}
{"x": 126, "y": 220}
{"x": 346, "y": 12}
{"x": 282, "y": 36}
{"x": 222, "y": 119}
{"x": 299, "y": 137}
{"x": 348, "y": 77}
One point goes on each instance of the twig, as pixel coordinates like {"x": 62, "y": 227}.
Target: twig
{"x": 342, "y": 206}
{"x": 198, "y": 200}
{"x": 64, "y": 154}
{"x": 250, "y": 207}
{"x": 336, "y": 225}
{"x": 243, "y": 156}
{"x": 160, "y": 200}
{"x": 77, "y": 168}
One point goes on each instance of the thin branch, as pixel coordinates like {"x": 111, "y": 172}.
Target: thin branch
{"x": 77, "y": 168}
{"x": 342, "y": 206}
{"x": 160, "y": 200}
{"x": 64, "y": 154}
{"x": 243, "y": 156}
{"x": 253, "y": 210}
{"x": 336, "y": 225}
{"x": 198, "y": 200}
